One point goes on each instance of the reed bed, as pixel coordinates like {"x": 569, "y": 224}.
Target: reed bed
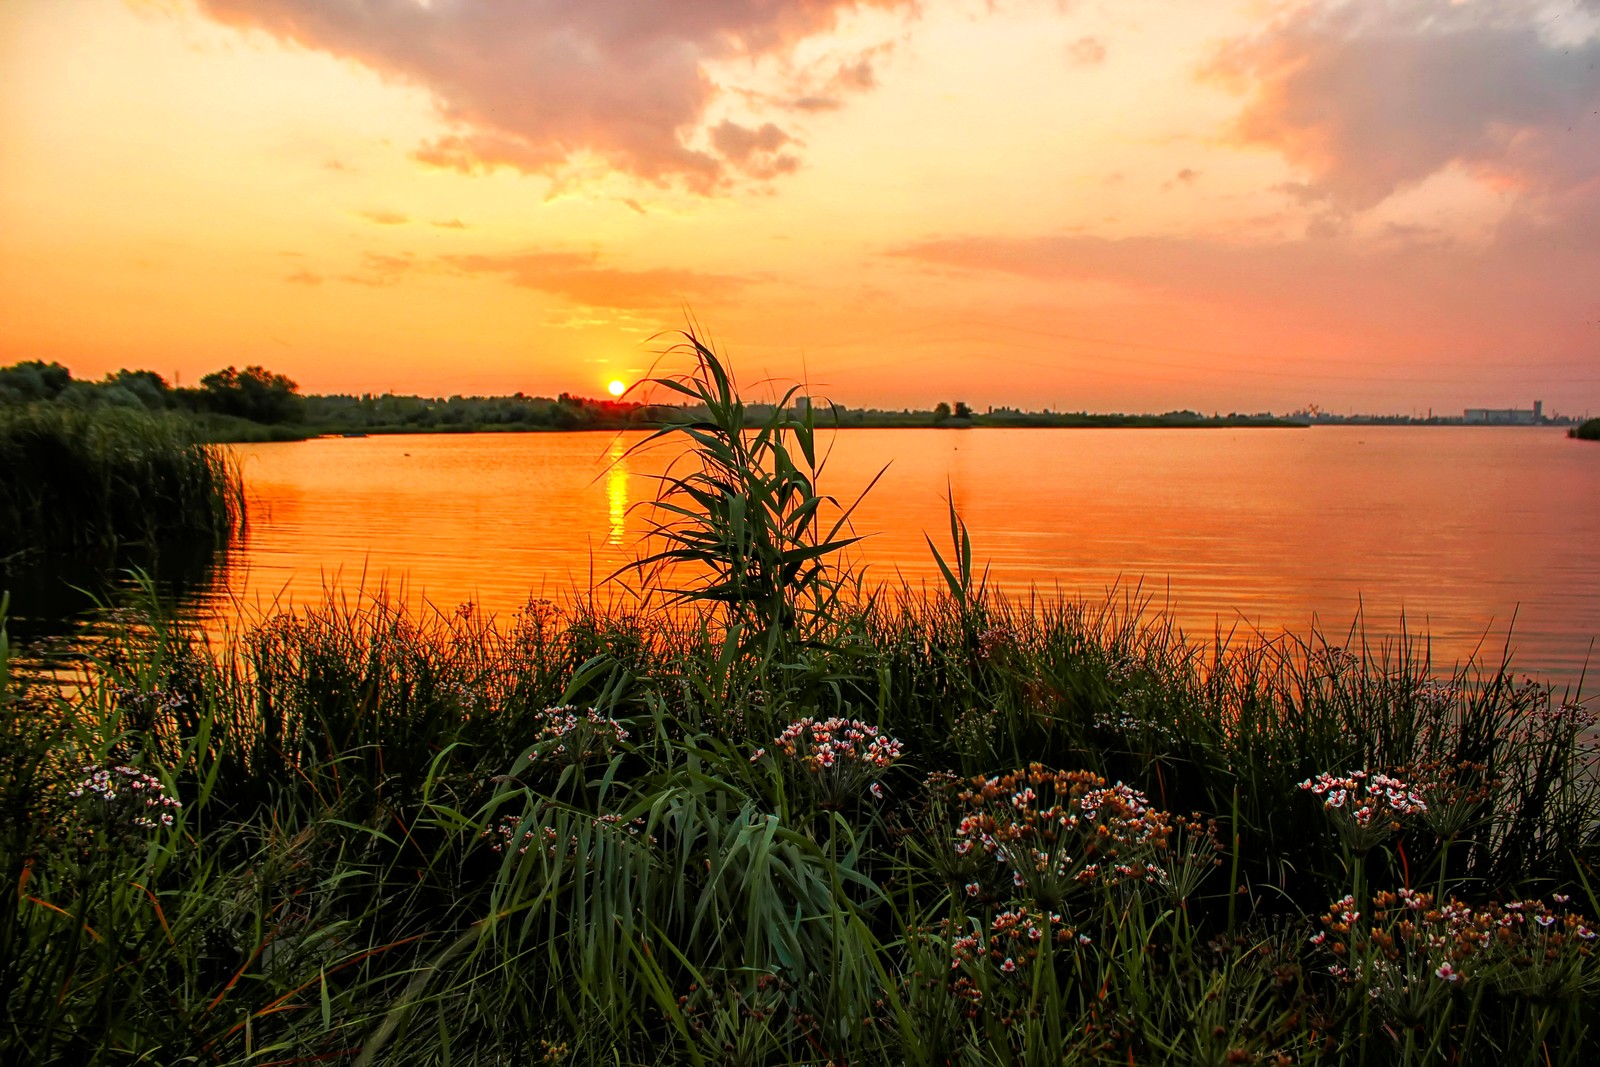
{"x": 801, "y": 828}
{"x": 74, "y": 481}
{"x": 408, "y": 836}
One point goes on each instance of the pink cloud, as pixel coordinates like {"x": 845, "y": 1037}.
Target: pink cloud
{"x": 1368, "y": 99}
{"x": 1411, "y": 296}
{"x": 578, "y": 277}
{"x": 1086, "y": 52}
{"x": 531, "y": 85}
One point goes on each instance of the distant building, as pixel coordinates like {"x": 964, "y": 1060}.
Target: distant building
{"x": 1506, "y": 416}
{"x": 802, "y": 405}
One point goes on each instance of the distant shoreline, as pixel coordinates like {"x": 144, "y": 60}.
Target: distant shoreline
{"x": 283, "y": 433}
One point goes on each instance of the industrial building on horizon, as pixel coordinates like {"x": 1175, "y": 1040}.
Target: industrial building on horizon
{"x": 1506, "y": 416}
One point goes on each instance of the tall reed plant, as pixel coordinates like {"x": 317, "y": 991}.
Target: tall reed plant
{"x": 746, "y": 531}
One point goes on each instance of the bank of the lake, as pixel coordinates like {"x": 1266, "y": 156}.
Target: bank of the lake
{"x": 751, "y": 816}
{"x": 362, "y": 832}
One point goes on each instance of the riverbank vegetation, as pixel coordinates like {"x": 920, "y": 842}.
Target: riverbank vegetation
{"x": 757, "y": 816}
{"x": 1588, "y": 431}
{"x": 257, "y": 405}
{"x": 78, "y": 480}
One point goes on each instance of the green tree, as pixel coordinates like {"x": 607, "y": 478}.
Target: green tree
{"x": 33, "y": 380}
{"x": 147, "y": 386}
{"x": 941, "y": 412}
{"x": 254, "y": 393}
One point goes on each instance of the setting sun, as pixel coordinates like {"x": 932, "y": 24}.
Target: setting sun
{"x": 616, "y": 388}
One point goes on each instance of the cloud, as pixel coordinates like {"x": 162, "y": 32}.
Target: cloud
{"x": 1086, "y": 52}
{"x": 382, "y": 269}
{"x": 1185, "y": 176}
{"x": 1409, "y": 290}
{"x": 578, "y": 277}
{"x": 536, "y": 84}
{"x": 450, "y": 224}
{"x": 741, "y": 142}
{"x": 1369, "y": 99}
{"x": 384, "y": 218}
{"x": 304, "y": 277}
{"x": 754, "y": 150}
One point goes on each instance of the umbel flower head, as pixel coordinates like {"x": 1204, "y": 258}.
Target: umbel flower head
{"x": 1059, "y": 831}
{"x": 1365, "y": 806}
{"x": 835, "y": 757}
{"x": 1411, "y": 949}
{"x": 124, "y": 798}
{"x": 567, "y": 735}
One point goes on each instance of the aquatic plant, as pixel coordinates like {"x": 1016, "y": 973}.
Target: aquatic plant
{"x": 746, "y": 530}
{"x": 76, "y": 480}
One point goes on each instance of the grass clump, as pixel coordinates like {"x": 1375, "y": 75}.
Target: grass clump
{"x": 82, "y": 480}
{"x": 1588, "y": 431}
{"x": 952, "y": 829}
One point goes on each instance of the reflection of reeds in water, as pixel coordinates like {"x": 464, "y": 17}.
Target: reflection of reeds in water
{"x": 87, "y": 495}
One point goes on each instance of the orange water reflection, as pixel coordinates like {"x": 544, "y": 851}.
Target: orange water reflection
{"x": 1460, "y": 529}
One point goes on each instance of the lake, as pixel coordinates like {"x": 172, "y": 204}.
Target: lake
{"x": 1458, "y": 531}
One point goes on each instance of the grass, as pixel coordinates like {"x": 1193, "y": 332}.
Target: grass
{"x": 908, "y": 829}
{"x": 1589, "y": 431}
{"x": 75, "y": 481}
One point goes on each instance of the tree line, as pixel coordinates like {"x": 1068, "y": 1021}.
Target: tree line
{"x": 254, "y": 393}
{"x": 262, "y": 396}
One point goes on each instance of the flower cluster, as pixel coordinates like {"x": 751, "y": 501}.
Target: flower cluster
{"x": 1457, "y": 793}
{"x": 973, "y": 731}
{"x": 1365, "y": 806}
{"x": 1133, "y": 726}
{"x": 1334, "y": 660}
{"x": 1057, "y": 831}
{"x": 567, "y": 735}
{"x": 1437, "y": 696}
{"x": 519, "y": 833}
{"x": 1013, "y": 941}
{"x": 997, "y": 640}
{"x": 127, "y": 794}
{"x": 1570, "y": 714}
{"x": 836, "y": 756}
{"x": 148, "y": 704}
{"x": 1410, "y": 947}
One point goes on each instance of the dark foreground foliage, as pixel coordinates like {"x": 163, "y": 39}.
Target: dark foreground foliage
{"x": 805, "y": 829}
{"x": 389, "y": 849}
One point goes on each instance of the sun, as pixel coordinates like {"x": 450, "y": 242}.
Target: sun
{"x": 617, "y": 387}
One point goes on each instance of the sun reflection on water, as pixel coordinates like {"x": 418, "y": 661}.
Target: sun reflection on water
{"x": 617, "y": 491}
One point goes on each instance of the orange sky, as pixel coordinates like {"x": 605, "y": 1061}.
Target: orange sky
{"x": 1121, "y": 205}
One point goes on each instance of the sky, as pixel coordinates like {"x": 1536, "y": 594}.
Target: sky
{"x": 1132, "y": 205}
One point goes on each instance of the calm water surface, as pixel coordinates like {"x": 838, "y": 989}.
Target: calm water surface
{"x": 1458, "y": 530}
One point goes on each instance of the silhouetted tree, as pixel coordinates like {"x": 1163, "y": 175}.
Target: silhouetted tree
{"x": 254, "y": 393}
{"x": 941, "y": 411}
{"x": 146, "y": 386}
{"x": 33, "y": 380}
